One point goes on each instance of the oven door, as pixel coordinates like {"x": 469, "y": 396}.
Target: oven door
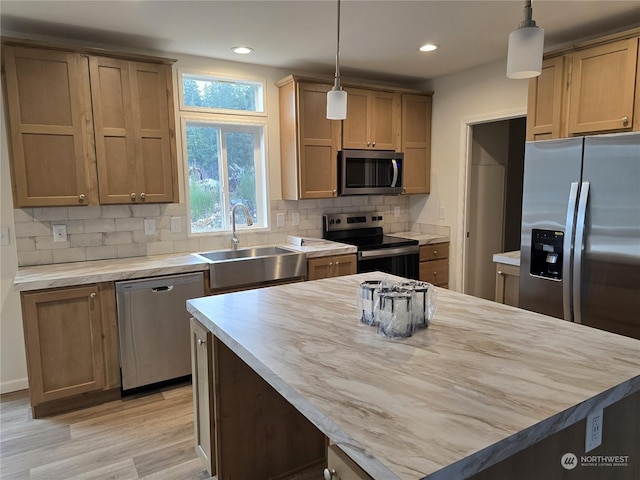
{"x": 400, "y": 261}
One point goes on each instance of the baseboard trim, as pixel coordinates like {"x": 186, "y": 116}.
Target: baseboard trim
{"x": 14, "y": 385}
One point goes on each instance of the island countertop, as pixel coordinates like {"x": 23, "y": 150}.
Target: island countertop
{"x": 484, "y": 381}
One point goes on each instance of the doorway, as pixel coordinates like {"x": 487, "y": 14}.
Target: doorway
{"x": 494, "y": 206}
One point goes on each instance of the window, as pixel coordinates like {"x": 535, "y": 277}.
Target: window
{"x": 224, "y": 152}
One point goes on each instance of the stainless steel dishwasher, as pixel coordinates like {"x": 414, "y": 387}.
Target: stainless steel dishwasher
{"x": 153, "y": 328}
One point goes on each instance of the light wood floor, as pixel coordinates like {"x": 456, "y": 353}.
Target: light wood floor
{"x": 145, "y": 437}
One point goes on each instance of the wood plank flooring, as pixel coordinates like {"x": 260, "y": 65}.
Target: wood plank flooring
{"x": 140, "y": 437}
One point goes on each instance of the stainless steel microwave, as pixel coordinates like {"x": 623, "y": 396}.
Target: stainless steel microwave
{"x": 369, "y": 172}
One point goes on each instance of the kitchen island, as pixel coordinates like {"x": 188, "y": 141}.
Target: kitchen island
{"x": 483, "y": 384}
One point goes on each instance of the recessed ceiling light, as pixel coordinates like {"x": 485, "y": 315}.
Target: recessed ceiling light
{"x": 429, "y": 47}
{"x": 242, "y": 50}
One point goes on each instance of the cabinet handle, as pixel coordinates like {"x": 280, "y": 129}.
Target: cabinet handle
{"x": 133, "y": 196}
{"x": 330, "y": 474}
{"x": 142, "y": 196}
{"x": 500, "y": 272}
{"x": 92, "y": 296}
{"x": 625, "y": 121}
{"x": 81, "y": 197}
{"x": 201, "y": 342}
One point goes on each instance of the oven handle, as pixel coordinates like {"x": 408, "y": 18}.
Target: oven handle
{"x": 389, "y": 252}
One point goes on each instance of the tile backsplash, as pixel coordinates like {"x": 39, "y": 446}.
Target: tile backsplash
{"x": 103, "y": 232}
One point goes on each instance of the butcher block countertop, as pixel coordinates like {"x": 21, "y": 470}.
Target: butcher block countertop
{"x": 484, "y": 381}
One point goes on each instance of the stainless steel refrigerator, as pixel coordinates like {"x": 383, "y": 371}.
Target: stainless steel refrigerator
{"x": 580, "y": 241}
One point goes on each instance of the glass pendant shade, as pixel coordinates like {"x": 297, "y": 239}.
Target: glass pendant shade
{"x": 524, "y": 59}
{"x": 336, "y": 104}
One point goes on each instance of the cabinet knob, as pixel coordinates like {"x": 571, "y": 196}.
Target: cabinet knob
{"x": 500, "y": 272}
{"x": 374, "y": 144}
{"x": 201, "y": 342}
{"x": 133, "y": 196}
{"x": 334, "y": 193}
{"x": 142, "y": 196}
{"x": 330, "y": 474}
{"x": 625, "y": 121}
{"x": 435, "y": 253}
{"x": 81, "y": 197}
{"x": 92, "y": 296}
{"x": 368, "y": 144}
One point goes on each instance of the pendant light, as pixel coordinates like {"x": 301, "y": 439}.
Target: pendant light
{"x": 336, "y": 97}
{"x": 526, "y": 45}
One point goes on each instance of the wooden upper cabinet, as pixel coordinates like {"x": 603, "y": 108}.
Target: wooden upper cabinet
{"x": 309, "y": 142}
{"x": 51, "y": 139}
{"x": 134, "y": 131}
{"x": 373, "y": 120}
{"x": 416, "y": 143}
{"x": 636, "y": 108}
{"x": 545, "y": 102}
{"x": 603, "y": 80}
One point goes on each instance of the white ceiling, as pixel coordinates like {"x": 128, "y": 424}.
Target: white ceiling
{"x": 379, "y": 39}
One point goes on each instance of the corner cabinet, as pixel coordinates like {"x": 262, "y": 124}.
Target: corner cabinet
{"x": 71, "y": 344}
{"x": 373, "y": 120}
{"x": 334, "y": 266}
{"x": 416, "y": 143}
{"x": 309, "y": 143}
{"x": 86, "y": 128}
{"x": 590, "y": 89}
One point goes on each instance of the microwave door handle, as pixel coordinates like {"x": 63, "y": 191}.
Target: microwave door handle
{"x": 395, "y": 172}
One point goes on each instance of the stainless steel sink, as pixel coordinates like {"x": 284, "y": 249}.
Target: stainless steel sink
{"x": 254, "y": 266}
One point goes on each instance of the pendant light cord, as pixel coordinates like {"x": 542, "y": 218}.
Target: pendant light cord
{"x": 337, "y": 77}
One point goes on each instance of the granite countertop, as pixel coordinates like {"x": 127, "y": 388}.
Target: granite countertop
{"x": 508, "y": 258}
{"x": 423, "y": 238}
{"x": 82, "y": 273}
{"x": 484, "y": 381}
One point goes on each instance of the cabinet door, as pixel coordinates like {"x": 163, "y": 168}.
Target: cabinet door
{"x": 344, "y": 467}
{"x": 132, "y": 130}
{"x": 319, "y": 139}
{"x": 63, "y": 336}
{"x": 507, "y": 284}
{"x": 344, "y": 265}
{"x": 356, "y": 128}
{"x": 416, "y": 143}
{"x": 319, "y": 268}
{"x": 203, "y": 397}
{"x": 435, "y": 272}
{"x": 602, "y": 88}
{"x": 385, "y": 120}
{"x": 49, "y": 114}
{"x": 546, "y": 93}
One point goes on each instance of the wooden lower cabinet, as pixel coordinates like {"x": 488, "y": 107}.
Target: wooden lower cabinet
{"x": 244, "y": 428}
{"x": 71, "y": 344}
{"x": 507, "y": 284}
{"x": 434, "y": 264}
{"x": 341, "y": 467}
{"x": 334, "y": 266}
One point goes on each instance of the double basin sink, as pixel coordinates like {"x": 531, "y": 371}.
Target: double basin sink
{"x": 229, "y": 269}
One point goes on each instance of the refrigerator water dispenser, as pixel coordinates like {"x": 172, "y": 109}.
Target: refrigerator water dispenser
{"x": 546, "y": 253}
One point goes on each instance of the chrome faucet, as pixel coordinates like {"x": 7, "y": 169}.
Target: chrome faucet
{"x": 247, "y": 214}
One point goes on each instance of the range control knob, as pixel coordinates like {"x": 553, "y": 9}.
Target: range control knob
{"x": 338, "y": 221}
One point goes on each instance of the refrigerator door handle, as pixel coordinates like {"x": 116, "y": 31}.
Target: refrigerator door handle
{"x": 566, "y": 261}
{"x": 577, "y": 255}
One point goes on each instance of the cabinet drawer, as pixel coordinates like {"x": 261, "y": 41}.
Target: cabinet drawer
{"x": 435, "y": 272}
{"x": 434, "y": 252}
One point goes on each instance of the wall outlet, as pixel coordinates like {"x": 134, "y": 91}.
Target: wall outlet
{"x": 295, "y": 218}
{"x": 443, "y": 213}
{"x": 280, "y": 219}
{"x": 4, "y": 236}
{"x": 176, "y": 224}
{"x": 149, "y": 226}
{"x": 593, "y": 437}
{"x": 59, "y": 233}
{"x": 396, "y": 211}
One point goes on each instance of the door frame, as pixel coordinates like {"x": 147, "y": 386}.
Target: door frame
{"x": 464, "y": 185}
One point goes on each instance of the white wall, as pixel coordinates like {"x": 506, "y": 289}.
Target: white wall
{"x": 474, "y": 96}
